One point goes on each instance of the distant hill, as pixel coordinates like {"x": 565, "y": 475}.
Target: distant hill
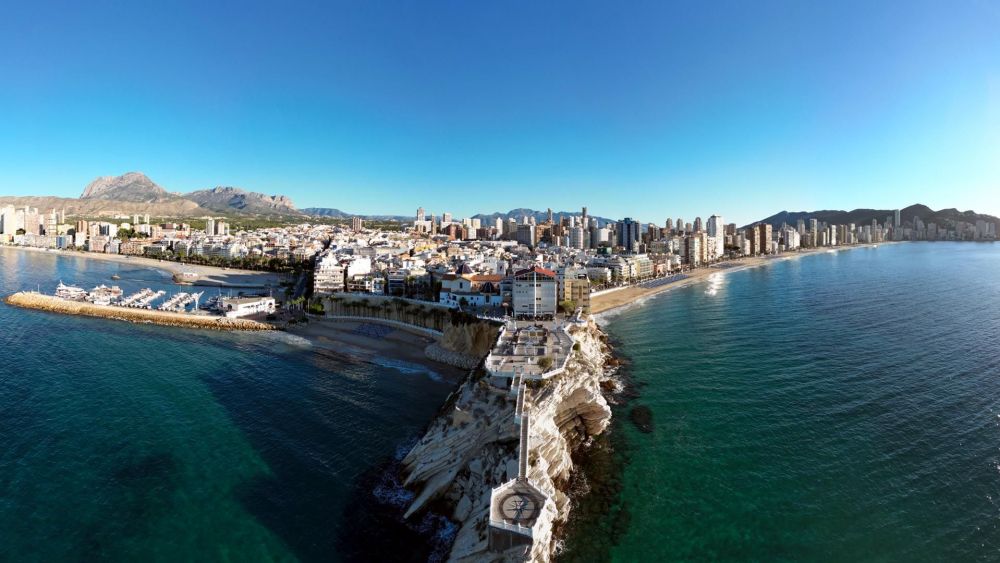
{"x": 332, "y": 213}
{"x": 225, "y": 199}
{"x": 134, "y": 192}
{"x": 865, "y": 216}
{"x": 328, "y": 212}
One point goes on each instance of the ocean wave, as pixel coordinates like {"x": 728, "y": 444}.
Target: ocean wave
{"x": 409, "y": 368}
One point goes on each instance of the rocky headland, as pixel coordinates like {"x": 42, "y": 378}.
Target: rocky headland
{"x": 472, "y": 447}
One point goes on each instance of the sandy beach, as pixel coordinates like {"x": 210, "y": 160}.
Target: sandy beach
{"x": 384, "y": 345}
{"x": 208, "y": 275}
{"x": 622, "y": 297}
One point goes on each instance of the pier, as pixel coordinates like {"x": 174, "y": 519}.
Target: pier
{"x": 180, "y": 301}
{"x": 50, "y": 303}
{"x": 141, "y": 294}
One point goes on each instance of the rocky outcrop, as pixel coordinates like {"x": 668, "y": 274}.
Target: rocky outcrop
{"x": 463, "y": 345}
{"x": 472, "y": 339}
{"x": 131, "y": 186}
{"x": 472, "y": 447}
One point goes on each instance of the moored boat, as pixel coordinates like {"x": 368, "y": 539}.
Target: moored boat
{"x": 70, "y": 292}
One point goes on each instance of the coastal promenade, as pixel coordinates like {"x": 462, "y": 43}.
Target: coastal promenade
{"x": 207, "y": 275}
{"x": 48, "y": 303}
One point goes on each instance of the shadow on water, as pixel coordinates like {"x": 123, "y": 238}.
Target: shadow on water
{"x": 303, "y": 502}
{"x": 373, "y": 528}
{"x": 142, "y": 490}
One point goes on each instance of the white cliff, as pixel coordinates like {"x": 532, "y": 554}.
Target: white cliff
{"x": 472, "y": 447}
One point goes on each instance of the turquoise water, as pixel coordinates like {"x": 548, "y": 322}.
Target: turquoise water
{"x": 122, "y": 442}
{"x": 839, "y": 407}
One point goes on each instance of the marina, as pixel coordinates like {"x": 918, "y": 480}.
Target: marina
{"x": 152, "y": 305}
{"x": 53, "y": 304}
{"x": 180, "y": 301}
{"x": 104, "y": 295}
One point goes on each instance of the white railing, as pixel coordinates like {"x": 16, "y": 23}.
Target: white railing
{"x": 524, "y": 531}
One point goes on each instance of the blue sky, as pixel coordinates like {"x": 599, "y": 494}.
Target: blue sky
{"x": 633, "y": 109}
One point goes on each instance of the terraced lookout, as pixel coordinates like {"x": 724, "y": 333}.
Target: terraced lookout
{"x": 531, "y": 353}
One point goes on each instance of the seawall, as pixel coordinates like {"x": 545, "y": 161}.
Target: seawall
{"x": 37, "y": 301}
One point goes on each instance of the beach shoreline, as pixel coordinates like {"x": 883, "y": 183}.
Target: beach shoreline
{"x": 213, "y": 276}
{"x": 625, "y": 297}
{"x": 393, "y": 347}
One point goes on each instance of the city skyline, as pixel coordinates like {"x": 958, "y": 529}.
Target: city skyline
{"x": 377, "y": 110}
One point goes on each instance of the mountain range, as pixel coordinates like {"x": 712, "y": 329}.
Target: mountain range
{"x": 134, "y": 192}
{"x": 865, "y": 216}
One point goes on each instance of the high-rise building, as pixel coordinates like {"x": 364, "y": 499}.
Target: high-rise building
{"x": 764, "y": 237}
{"x": 526, "y": 235}
{"x": 692, "y": 250}
{"x": 697, "y": 225}
{"x": 210, "y": 227}
{"x": 357, "y": 224}
{"x": 715, "y": 226}
{"x": 716, "y": 230}
{"x": 51, "y": 221}
{"x": 896, "y": 219}
{"x": 753, "y": 240}
{"x": 8, "y": 220}
{"x": 629, "y": 235}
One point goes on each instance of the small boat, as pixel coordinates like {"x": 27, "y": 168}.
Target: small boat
{"x": 211, "y": 304}
{"x": 186, "y": 277}
{"x": 70, "y": 292}
{"x": 115, "y": 277}
{"x": 104, "y": 295}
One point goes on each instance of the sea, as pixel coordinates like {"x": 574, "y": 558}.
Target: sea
{"x": 128, "y": 442}
{"x": 840, "y": 406}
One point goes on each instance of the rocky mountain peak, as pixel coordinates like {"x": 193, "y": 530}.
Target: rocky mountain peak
{"x": 135, "y": 184}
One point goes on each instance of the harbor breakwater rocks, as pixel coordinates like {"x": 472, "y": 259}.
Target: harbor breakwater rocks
{"x": 471, "y": 447}
{"x": 31, "y": 300}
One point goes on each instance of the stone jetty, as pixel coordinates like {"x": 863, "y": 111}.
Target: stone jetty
{"x": 32, "y": 300}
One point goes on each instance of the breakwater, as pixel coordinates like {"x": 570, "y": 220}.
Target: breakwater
{"x": 37, "y": 301}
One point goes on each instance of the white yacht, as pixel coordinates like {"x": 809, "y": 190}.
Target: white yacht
{"x": 70, "y": 292}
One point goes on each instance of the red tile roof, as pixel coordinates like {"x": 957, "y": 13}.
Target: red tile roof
{"x": 538, "y": 270}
